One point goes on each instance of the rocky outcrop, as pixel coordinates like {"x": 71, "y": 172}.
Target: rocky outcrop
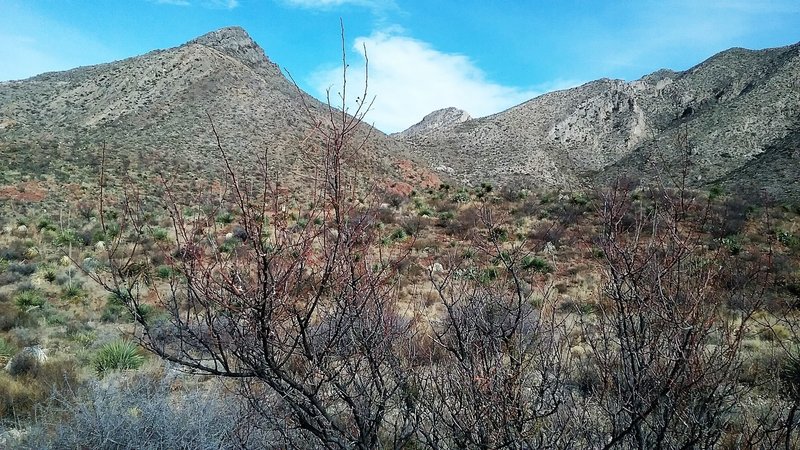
{"x": 236, "y": 43}
{"x": 437, "y": 120}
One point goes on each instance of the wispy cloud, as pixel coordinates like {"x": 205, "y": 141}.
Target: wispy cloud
{"x": 328, "y": 4}
{"x": 223, "y": 4}
{"x": 214, "y": 4}
{"x": 409, "y": 79}
{"x": 172, "y": 2}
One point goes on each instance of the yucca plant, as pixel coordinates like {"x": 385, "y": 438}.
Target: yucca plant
{"x": 118, "y": 355}
{"x": 48, "y": 273}
{"x": 29, "y": 299}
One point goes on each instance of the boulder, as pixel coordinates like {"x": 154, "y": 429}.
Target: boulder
{"x": 27, "y": 360}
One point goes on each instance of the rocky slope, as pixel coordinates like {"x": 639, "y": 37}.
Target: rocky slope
{"x": 163, "y": 103}
{"x": 723, "y": 113}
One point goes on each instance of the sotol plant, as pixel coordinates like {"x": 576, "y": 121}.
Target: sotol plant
{"x": 118, "y": 355}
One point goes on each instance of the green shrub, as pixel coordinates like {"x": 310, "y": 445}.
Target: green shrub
{"x": 536, "y": 264}
{"x": 118, "y": 355}
{"x": 45, "y": 225}
{"x": 160, "y": 234}
{"x": 775, "y": 333}
{"x": 48, "y": 273}
{"x": 460, "y": 197}
{"x": 28, "y": 299}
{"x": 446, "y": 215}
{"x": 225, "y": 218}
{"x": 788, "y": 239}
{"x": 164, "y": 272}
{"x": 579, "y": 198}
{"x": 398, "y": 234}
{"x": 66, "y": 237}
{"x": 500, "y": 233}
{"x": 115, "y": 308}
{"x": 732, "y": 244}
{"x": 146, "y": 312}
{"x": 715, "y": 192}
{"x": 790, "y": 373}
{"x": 489, "y": 274}
{"x": 72, "y": 292}
{"x": 84, "y": 338}
{"x": 228, "y": 246}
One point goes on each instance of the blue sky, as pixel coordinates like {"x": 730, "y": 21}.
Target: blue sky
{"x": 479, "y": 55}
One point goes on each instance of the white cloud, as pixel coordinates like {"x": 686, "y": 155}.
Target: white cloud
{"x": 328, "y": 4}
{"x": 409, "y": 79}
{"x": 214, "y": 4}
{"x": 224, "y": 4}
{"x": 172, "y": 2}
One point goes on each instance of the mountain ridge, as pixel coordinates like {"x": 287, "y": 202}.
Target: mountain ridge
{"x": 728, "y": 109}
{"x": 727, "y": 113}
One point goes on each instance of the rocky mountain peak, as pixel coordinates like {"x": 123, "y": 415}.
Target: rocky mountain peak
{"x": 438, "y": 119}
{"x": 236, "y": 43}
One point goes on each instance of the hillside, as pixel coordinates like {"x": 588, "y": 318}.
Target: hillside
{"x": 156, "y": 107}
{"x": 725, "y": 112}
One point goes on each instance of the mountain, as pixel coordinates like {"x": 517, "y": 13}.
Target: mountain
{"x": 161, "y": 105}
{"x": 734, "y": 116}
{"x": 723, "y": 113}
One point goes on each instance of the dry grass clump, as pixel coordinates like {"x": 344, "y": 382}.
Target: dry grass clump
{"x": 20, "y": 395}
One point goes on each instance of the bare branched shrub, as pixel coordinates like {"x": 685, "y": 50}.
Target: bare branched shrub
{"x": 665, "y": 344}
{"x": 300, "y": 308}
{"x": 293, "y": 291}
{"x": 144, "y": 411}
{"x": 499, "y": 377}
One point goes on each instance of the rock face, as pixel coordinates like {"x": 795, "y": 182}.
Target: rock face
{"x": 437, "y": 120}
{"x": 722, "y": 113}
{"x": 236, "y": 43}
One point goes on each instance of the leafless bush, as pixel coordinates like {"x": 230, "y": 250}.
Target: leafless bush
{"x": 498, "y": 380}
{"x": 665, "y": 345}
{"x": 145, "y": 411}
{"x": 303, "y": 313}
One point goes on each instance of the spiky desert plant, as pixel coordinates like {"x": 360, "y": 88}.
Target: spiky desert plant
{"x": 29, "y": 299}
{"x": 118, "y": 355}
